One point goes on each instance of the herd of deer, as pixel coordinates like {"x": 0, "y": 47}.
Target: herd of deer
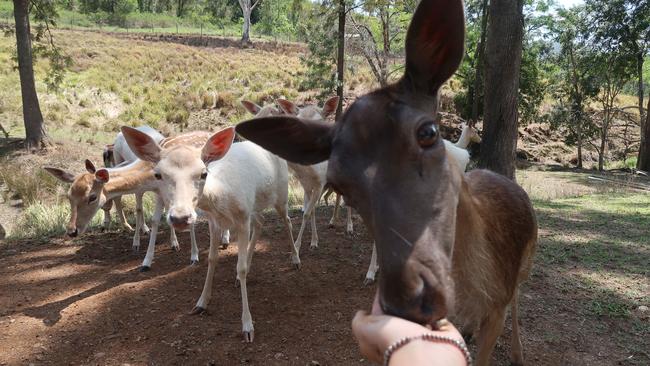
{"x": 449, "y": 243}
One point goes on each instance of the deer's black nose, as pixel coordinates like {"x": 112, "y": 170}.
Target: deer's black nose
{"x": 179, "y": 220}
{"x": 73, "y": 234}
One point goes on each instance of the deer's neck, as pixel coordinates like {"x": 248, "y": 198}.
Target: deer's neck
{"x": 463, "y": 140}
{"x": 135, "y": 177}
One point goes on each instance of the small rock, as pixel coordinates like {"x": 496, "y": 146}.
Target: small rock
{"x": 642, "y": 308}
{"x": 314, "y": 363}
{"x": 99, "y": 354}
{"x": 279, "y": 356}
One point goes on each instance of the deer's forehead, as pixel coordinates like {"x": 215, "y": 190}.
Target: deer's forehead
{"x": 180, "y": 158}
{"x": 82, "y": 184}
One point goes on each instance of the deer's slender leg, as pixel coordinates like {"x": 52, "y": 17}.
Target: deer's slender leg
{"x": 373, "y": 267}
{"x": 335, "y": 214}
{"x": 151, "y": 248}
{"x": 203, "y": 301}
{"x": 119, "y": 211}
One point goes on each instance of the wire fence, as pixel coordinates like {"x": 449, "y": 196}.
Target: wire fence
{"x": 150, "y": 24}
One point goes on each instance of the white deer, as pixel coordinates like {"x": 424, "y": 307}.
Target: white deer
{"x": 312, "y": 178}
{"x": 232, "y": 184}
{"x": 91, "y": 190}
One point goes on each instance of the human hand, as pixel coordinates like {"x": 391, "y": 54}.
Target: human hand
{"x": 375, "y": 332}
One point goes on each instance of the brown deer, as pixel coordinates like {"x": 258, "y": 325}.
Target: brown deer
{"x": 449, "y": 244}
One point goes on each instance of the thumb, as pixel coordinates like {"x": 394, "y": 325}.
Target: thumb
{"x": 364, "y": 331}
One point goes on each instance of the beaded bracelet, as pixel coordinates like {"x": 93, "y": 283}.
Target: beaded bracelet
{"x": 431, "y": 338}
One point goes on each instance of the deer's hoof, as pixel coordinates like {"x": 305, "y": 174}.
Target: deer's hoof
{"x": 194, "y": 262}
{"x": 224, "y": 245}
{"x": 145, "y": 268}
{"x": 248, "y": 336}
{"x": 368, "y": 281}
{"x": 197, "y": 310}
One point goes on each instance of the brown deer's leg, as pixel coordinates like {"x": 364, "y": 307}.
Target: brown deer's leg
{"x": 516, "y": 349}
{"x": 490, "y": 330}
{"x": 335, "y": 213}
{"x": 119, "y": 211}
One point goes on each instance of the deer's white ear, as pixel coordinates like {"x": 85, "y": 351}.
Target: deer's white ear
{"x": 250, "y": 106}
{"x": 288, "y": 107}
{"x": 61, "y": 175}
{"x": 90, "y": 167}
{"x": 299, "y": 141}
{"x": 142, "y": 144}
{"x": 218, "y": 145}
{"x": 330, "y": 106}
{"x": 434, "y": 45}
{"x": 102, "y": 176}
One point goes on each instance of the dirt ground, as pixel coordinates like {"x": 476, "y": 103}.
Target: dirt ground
{"x": 83, "y": 301}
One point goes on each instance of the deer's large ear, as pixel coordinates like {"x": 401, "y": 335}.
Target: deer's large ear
{"x": 102, "y": 176}
{"x": 293, "y": 139}
{"x": 143, "y": 146}
{"x": 434, "y": 45}
{"x": 288, "y": 107}
{"x": 60, "y": 174}
{"x": 90, "y": 167}
{"x": 218, "y": 145}
{"x": 330, "y": 106}
{"x": 250, "y": 106}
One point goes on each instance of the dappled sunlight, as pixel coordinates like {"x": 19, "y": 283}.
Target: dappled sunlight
{"x": 48, "y": 273}
{"x": 635, "y": 288}
{"x": 546, "y": 186}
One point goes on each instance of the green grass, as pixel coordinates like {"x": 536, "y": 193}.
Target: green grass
{"x": 43, "y": 220}
{"x": 601, "y": 244}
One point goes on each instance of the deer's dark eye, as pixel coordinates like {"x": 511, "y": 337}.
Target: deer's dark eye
{"x": 204, "y": 175}
{"x": 427, "y": 135}
{"x": 92, "y": 198}
{"x": 157, "y": 176}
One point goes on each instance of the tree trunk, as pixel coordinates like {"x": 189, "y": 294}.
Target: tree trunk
{"x": 643, "y": 159}
{"x": 601, "y": 152}
{"x": 180, "y": 9}
{"x": 639, "y": 73}
{"x": 32, "y": 116}
{"x": 245, "y": 32}
{"x": 580, "y": 144}
{"x": 643, "y": 162}
{"x": 480, "y": 51}
{"x": 503, "y": 62}
{"x": 340, "y": 58}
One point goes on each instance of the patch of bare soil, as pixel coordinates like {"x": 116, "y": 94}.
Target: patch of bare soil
{"x": 85, "y": 302}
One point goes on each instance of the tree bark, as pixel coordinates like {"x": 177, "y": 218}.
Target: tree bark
{"x": 480, "y": 51}
{"x": 247, "y": 10}
{"x": 340, "y": 58}
{"x": 643, "y": 158}
{"x": 32, "y": 116}
{"x": 643, "y": 162}
{"x": 503, "y": 63}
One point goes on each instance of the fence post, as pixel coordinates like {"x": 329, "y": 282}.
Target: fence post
{"x": 201, "y": 31}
